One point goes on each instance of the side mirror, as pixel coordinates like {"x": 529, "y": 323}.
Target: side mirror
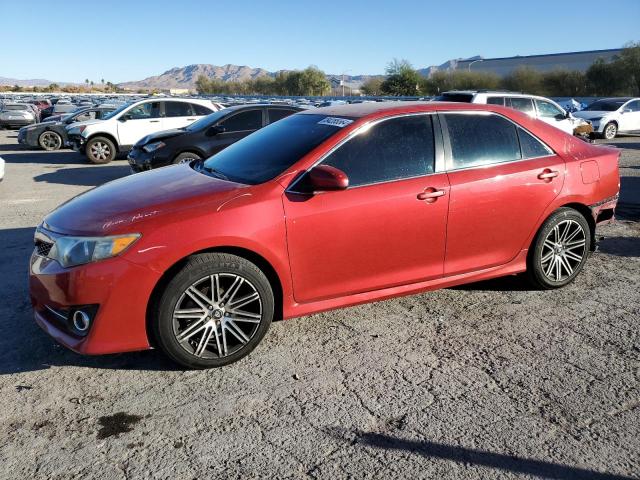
{"x": 561, "y": 116}
{"x": 627, "y": 110}
{"x": 325, "y": 178}
{"x": 124, "y": 118}
{"x": 215, "y": 130}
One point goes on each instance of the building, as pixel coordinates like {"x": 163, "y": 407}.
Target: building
{"x": 580, "y": 61}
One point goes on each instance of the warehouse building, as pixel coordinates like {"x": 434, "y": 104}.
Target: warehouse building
{"x": 580, "y": 61}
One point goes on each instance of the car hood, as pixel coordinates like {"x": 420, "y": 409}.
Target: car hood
{"x": 588, "y": 115}
{"x": 159, "y": 136}
{"x": 124, "y": 205}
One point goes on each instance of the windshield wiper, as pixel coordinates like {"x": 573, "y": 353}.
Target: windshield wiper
{"x": 214, "y": 172}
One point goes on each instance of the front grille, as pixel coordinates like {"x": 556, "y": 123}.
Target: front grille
{"x": 43, "y": 248}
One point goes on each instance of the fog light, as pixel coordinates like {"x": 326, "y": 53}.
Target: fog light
{"x": 81, "y": 321}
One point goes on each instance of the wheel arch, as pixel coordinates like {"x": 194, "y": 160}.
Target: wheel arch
{"x": 583, "y": 210}
{"x": 192, "y": 149}
{"x": 105, "y": 135}
{"x": 262, "y": 263}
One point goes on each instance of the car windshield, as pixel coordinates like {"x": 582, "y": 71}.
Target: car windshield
{"x": 15, "y": 107}
{"x": 207, "y": 121}
{"x": 117, "y": 111}
{"x": 605, "y": 106}
{"x": 270, "y": 151}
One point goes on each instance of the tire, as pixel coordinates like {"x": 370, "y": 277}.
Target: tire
{"x": 100, "y": 150}
{"x": 559, "y": 250}
{"x": 198, "y": 335}
{"x": 186, "y": 157}
{"x": 610, "y": 131}
{"x": 50, "y": 141}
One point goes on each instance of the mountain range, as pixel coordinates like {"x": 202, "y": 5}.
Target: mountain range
{"x": 185, "y": 77}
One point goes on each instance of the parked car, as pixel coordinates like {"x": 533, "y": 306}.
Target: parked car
{"x": 541, "y": 108}
{"x": 13, "y": 115}
{"x": 611, "y": 116}
{"x": 205, "y": 137}
{"x": 324, "y": 209}
{"x": 52, "y": 135}
{"x": 102, "y": 140}
{"x": 60, "y": 108}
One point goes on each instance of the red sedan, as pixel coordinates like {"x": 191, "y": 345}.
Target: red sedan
{"x": 327, "y": 208}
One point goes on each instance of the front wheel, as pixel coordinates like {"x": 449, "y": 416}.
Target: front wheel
{"x": 186, "y": 157}
{"x": 610, "y": 131}
{"x": 560, "y": 249}
{"x": 214, "y": 311}
{"x": 100, "y": 150}
{"x": 50, "y": 141}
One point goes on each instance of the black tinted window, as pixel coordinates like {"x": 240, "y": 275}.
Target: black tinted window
{"x": 531, "y": 146}
{"x": 276, "y": 114}
{"x": 271, "y": 150}
{"x": 481, "y": 140}
{"x": 177, "y": 109}
{"x": 249, "y": 120}
{"x": 200, "y": 110}
{"x": 634, "y": 106}
{"x": 523, "y": 104}
{"x": 495, "y": 100}
{"x": 394, "y": 149}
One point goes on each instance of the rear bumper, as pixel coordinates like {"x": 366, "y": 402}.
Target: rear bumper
{"x": 16, "y": 123}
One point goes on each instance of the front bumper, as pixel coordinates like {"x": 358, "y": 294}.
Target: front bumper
{"x": 16, "y": 122}
{"x": 77, "y": 143}
{"x": 140, "y": 160}
{"x": 116, "y": 289}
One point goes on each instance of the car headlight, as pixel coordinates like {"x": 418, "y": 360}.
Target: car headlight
{"x": 152, "y": 147}
{"x": 72, "y": 251}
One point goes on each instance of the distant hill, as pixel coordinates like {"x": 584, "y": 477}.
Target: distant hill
{"x": 185, "y": 77}
{"x": 35, "y": 82}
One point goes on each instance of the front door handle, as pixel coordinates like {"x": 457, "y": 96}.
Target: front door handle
{"x": 430, "y": 194}
{"x": 190, "y": 119}
{"x": 548, "y": 174}
{"x": 154, "y": 121}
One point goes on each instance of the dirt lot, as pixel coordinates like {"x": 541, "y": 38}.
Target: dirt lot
{"x": 491, "y": 380}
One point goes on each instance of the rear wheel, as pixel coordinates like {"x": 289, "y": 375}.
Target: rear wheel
{"x": 186, "y": 157}
{"x": 100, "y": 150}
{"x": 560, "y": 249}
{"x": 610, "y": 131}
{"x": 50, "y": 141}
{"x": 214, "y": 311}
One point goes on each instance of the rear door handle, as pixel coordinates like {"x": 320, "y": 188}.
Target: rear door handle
{"x": 190, "y": 119}
{"x": 548, "y": 174}
{"x": 154, "y": 121}
{"x": 430, "y": 194}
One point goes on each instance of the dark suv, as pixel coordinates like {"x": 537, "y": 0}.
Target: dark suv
{"x": 204, "y": 137}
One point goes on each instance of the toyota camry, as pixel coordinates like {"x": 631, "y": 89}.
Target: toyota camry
{"x": 327, "y": 208}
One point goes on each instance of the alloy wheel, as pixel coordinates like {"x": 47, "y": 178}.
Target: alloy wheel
{"x": 217, "y": 315}
{"x": 563, "y": 250}
{"x": 50, "y": 141}
{"x": 610, "y": 131}
{"x": 100, "y": 151}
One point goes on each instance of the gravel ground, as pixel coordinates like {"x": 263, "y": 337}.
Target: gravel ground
{"x": 489, "y": 380}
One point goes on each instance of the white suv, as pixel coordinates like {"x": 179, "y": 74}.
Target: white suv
{"x": 538, "y": 107}
{"x": 612, "y": 115}
{"x": 102, "y": 140}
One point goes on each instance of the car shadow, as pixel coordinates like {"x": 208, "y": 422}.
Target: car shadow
{"x": 23, "y": 346}
{"x": 511, "y": 283}
{"x": 90, "y": 177}
{"x": 471, "y": 456}
{"x": 620, "y": 246}
{"x": 59, "y": 157}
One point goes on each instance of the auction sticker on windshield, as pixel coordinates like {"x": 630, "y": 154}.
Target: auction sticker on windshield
{"x": 336, "y": 122}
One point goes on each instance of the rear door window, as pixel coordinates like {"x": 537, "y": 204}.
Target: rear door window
{"x": 276, "y": 114}
{"x": 394, "y": 149}
{"x": 532, "y": 147}
{"x": 177, "y": 109}
{"x": 478, "y": 140}
{"x": 495, "y": 101}
{"x": 525, "y": 105}
{"x": 201, "y": 109}
{"x": 247, "y": 120}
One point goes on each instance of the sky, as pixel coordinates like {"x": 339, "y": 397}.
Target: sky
{"x": 121, "y": 41}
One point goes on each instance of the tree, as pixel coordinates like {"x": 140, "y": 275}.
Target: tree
{"x": 402, "y": 79}
{"x": 53, "y": 87}
{"x": 17, "y": 88}
{"x": 525, "y": 80}
{"x": 606, "y": 78}
{"x": 629, "y": 65}
{"x": 564, "y": 83}
{"x": 372, "y": 87}
{"x": 458, "y": 80}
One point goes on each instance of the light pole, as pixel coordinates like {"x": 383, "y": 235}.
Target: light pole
{"x": 478, "y": 60}
{"x": 343, "y": 73}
